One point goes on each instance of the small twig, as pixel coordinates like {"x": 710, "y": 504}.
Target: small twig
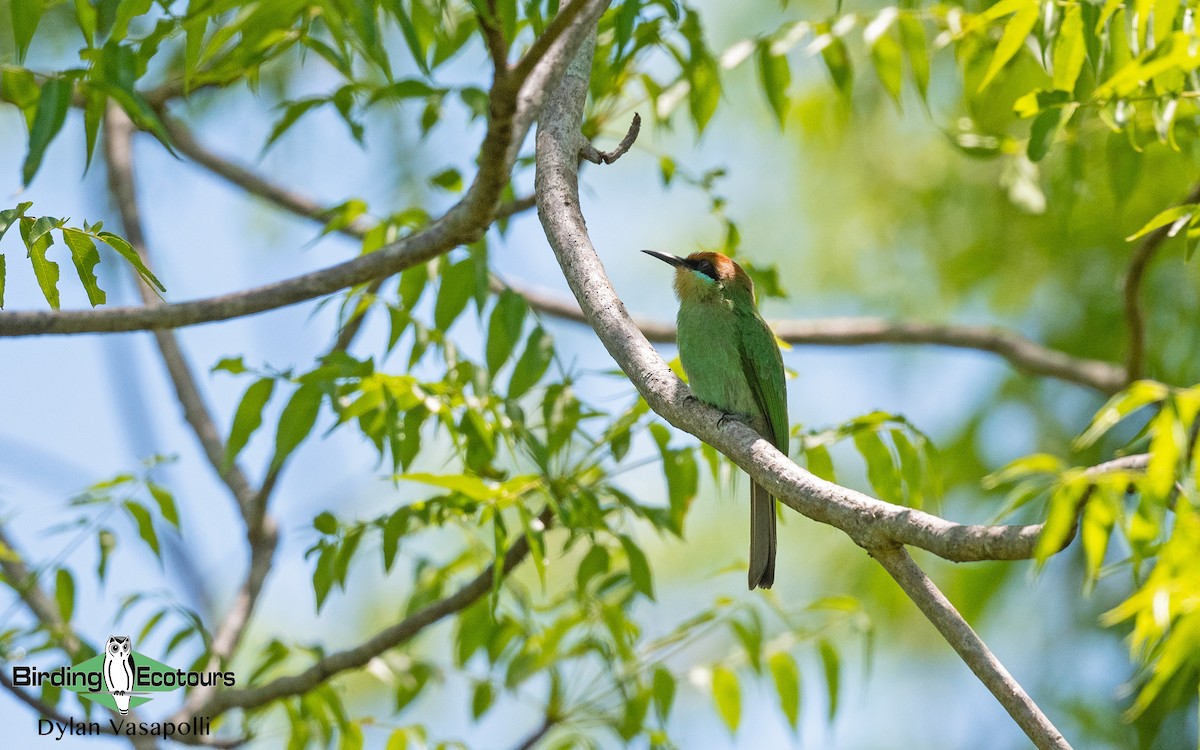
{"x": 493, "y": 37}
{"x": 537, "y": 735}
{"x": 959, "y": 634}
{"x": 1135, "y": 314}
{"x": 596, "y": 156}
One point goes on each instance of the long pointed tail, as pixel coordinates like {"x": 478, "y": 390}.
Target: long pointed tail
{"x": 762, "y": 537}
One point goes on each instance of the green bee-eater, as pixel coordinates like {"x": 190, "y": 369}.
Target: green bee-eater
{"x": 733, "y": 363}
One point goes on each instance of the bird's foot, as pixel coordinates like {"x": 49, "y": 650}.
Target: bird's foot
{"x": 733, "y": 418}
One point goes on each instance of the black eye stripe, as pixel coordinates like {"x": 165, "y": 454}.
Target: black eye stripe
{"x": 706, "y": 267}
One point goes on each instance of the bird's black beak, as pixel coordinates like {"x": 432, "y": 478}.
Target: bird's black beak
{"x": 674, "y": 260}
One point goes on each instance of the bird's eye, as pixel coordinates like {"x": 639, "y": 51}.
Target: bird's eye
{"x": 706, "y": 267}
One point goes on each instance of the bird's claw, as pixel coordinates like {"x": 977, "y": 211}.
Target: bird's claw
{"x": 733, "y": 417}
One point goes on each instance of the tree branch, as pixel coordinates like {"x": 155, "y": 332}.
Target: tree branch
{"x": 596, "y": 156}
{"x": 1019, "y": 351}
{"x": 1024, "y": 354}
{"x": 386, "y": 639}
{"x": 1135, "y": 314}
{"x": 261, "y": 531}
{"x": 537, "y": 735}
{"x": 970, "y": 647}
{"x": 511, "y": 114}
{"x": 874, "y": 525}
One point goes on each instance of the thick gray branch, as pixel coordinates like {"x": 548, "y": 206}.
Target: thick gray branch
{"x": 970, "y": 647}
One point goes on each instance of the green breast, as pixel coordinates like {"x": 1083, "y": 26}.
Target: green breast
{"x": 707, "y": 337}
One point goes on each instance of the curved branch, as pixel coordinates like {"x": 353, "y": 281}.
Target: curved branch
{"x": 386, "y": 639}
{"x": 1135, "y": 314}
{"x": 515, "y": 102}
{"x": 970, "y": 647}
{"x": 874, "y": 525}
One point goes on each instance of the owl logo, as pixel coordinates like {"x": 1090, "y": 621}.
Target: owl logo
{"x": 119, "y": 670}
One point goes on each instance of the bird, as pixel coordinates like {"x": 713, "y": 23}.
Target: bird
{"x": 733, "y": 363}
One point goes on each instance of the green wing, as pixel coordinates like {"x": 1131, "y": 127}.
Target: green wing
{"x": 763, "y": 366}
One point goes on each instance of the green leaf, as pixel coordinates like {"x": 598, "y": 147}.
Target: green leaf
{"x": 886, "y": 53}
{"x": 663, "y": 690}
{"x": 394, "y": 528}
{"x": 232, "y": 365}
{"x": 296, "y": 421}
{"x": 448, "y": 179}
{"x": 166, "y": 503}
{"x": 36, "y": 234}
{"x": 1016, "y": 31}
{"x": 145, "y": 525}
{"x": 728, "y": 697}
{"x": 85, "y": 16}
{"x": 85, "y": 257}
{"x": 912, "y": 35}
{"x": 52, "y": 108}
{"x": 832, "y": 666}
{"x": 457, "y": 285}
{"x": 481, "y": 699}
{"x": 504, "y": 329}
{"x": 64, "y": 593}
{"x": 533, "y": 363}
{"x": 1042, "y": 133}
{"x": 126, "y": 251}
{"x": 411, "y": 37}
{"x": 1064, "y": 505}
{"x": 593, "y": 564}
{"x": 326, "y": 523}
{"x": 10, "y": 216}
{"x": 465, "y": 484}
{"x": 1139, "y": 394}
{"x": 1176, "y": 216}
{"x": 819, "y": 463}
{"x": 247, "y": 419}
{"x": 1069, "y": 50}
{"x": 837, "y": 62}
{"x": 291, "y": 114}
{"x": 25, "y": 17}
{"x": 705, "y": 91}
{"x": 20, "y": 87}
{"x": 106, "y": 542}
{"x": 776, "y": 77}
{"x": 639, "y": 568}
{"x": 406, "y": 89}
{"x": 787, "y": 685}
{"x": 881, "y": 465}
{"x": 323, "y": 577}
